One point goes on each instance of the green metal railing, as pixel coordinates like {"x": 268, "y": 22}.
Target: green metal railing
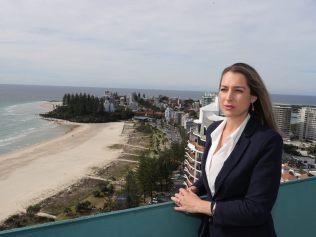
{"x": 294, "y": 215}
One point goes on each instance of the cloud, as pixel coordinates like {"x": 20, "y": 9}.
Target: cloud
{"x": 156, "y": 44}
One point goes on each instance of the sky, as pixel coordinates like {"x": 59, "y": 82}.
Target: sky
{"x": 157, "y": 44}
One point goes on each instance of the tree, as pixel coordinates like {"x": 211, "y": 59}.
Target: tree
{"x": 147, "y": 175}
{"x": 312, "y": 150}
{"x": 132, "y": 190}
{"x": 32, "y": 210}
{"x": 290, "y": 149}
{"x": 64, "y": 99}
{"x": 84, "y": 207}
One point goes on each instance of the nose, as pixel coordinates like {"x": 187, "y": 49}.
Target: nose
{"x": 229, "y": 95}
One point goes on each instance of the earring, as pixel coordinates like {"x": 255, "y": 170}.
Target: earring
{"x": 252, "y": 107}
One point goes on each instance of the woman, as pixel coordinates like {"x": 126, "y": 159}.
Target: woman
{"x": 241, "y": 164}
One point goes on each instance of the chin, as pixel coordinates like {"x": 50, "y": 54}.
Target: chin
{"x": 233, "y": 114}
{"x": 229, "y": 114}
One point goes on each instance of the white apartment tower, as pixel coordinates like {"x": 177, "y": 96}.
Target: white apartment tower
{"x": 307, "y": 128}
{"x": 282, "y": 115}
{"x": 197, "y": 138}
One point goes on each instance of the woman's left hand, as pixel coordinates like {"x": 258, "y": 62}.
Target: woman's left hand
{"x": 187, "y": 201}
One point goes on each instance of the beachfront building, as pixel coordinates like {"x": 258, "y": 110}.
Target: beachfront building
{"x": 177, "y": 117}
{"x": 133, "y": 105}
{"x": 122, "y": 101}
{"x": 169, "y": 113}
{"x": 307, "y": 123}
{"x": 187, "y": 122}
{"x": 207, "y": 99}
{"x": 108, "y": 106}
{"x": 196, "y": 106}
{"x": 197, "y": 138}
{"x": 282, "y": 114}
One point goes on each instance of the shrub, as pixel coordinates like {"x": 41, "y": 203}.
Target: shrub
{"x": 67, "y": 210}
{"x": 84, "y": 206}
{"x": 32, "y": 210}
{"x": 96, "y": 193}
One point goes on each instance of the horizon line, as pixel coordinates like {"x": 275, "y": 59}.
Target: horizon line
{"x": 131, "y": 88}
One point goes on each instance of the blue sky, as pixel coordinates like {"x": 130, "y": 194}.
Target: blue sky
{"x": 179, "y": 44}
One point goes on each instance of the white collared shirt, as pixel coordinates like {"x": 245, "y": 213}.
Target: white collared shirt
{"x": 215, "y": 162}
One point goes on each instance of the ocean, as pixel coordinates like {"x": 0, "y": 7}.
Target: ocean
{"x": 20, "y": 106}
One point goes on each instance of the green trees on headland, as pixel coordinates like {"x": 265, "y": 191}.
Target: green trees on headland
{"x": 145, "y": 103}
{"x": 87, "y": 109}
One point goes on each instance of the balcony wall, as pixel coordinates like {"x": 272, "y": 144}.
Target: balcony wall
{"x": 294, "y": 215}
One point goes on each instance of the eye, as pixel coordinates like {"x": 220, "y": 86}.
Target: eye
{"x": 223, "y": 89}
{"x": 239, "y": 90}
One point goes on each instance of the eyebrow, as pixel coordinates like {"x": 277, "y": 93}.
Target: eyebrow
{"x": 239, "y": 87}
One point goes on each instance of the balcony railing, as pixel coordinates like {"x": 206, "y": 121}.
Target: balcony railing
{"x": 198, "y": 147}
{"x": 190, "y": 159}
{"x": 188, "y": 164}
{"x": 294, "y": 215}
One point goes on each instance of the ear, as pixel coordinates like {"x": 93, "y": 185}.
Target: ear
{"x": 253, "y": 99}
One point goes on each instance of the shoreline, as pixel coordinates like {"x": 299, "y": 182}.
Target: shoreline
{"x": 37, "y": 172}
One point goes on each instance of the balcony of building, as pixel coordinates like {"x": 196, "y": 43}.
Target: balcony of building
{"x": 189, "y": 172}
{"x": 294, "y": 214}
{"x": 191, "y": 160}
{"x": 189, "y": 164}
{"x": 197, "y": 147}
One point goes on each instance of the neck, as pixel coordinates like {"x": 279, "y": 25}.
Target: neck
{"x": 234, "y": 122}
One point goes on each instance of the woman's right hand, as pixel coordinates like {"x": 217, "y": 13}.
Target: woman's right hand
{"x": 193, "y": 189}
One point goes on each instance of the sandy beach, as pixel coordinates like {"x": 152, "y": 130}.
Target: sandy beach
{"x": 37, "y": 172}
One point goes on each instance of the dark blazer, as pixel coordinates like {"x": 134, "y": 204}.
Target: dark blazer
{"x": 247, "y": 185}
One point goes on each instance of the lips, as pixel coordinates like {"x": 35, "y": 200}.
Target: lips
{"x": 229, "y": 107}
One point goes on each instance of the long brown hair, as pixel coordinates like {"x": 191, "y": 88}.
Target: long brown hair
{"x": 262, "y": 106}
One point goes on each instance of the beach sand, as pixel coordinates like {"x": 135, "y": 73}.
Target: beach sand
{"x": 32, "y": 174}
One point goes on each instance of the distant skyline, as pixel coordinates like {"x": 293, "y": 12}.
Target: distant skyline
{"x": 175, "y": 45}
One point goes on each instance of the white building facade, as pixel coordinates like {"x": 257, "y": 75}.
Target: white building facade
{"x": 197, "y": 138}
{"x": 307, "y": 124}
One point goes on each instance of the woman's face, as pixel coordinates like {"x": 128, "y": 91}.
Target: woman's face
{"x": 234, "y": 95}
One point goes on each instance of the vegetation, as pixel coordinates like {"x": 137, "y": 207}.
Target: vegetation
{"x": 163, "y": 99}
{"x": 87, "y": 109}
{"x": 145, "y": 103}
{"x": 154, "y": 173}
{"x": 132, "y": 190}
{"x": 290, "y": 149}
{"x": 85, "y": 206}
{"x": 187, "y": 104}
{"x": 32, "y": 210}
{"x": 144, "y": 128}
{"x": 30, "y": 218}
{"x": 312, "y": 150}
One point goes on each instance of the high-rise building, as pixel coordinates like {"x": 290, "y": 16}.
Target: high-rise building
{"x": 307, "y": 127}
{"x": 197, "y": 138}
{"x": 282, "y": 115}
{"x": 169, "y": 114}
{"x": 207, "y": 99}
{"x": 177, "y": 117}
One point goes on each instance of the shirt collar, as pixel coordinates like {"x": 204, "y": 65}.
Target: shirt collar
{"x": 218, "y": 131}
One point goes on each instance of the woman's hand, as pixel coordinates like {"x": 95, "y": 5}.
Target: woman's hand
{"x": 193, "y": 189}
{"x": 187, "y": 201}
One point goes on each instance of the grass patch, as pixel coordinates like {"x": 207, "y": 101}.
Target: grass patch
{"x": 116, "y": 146}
